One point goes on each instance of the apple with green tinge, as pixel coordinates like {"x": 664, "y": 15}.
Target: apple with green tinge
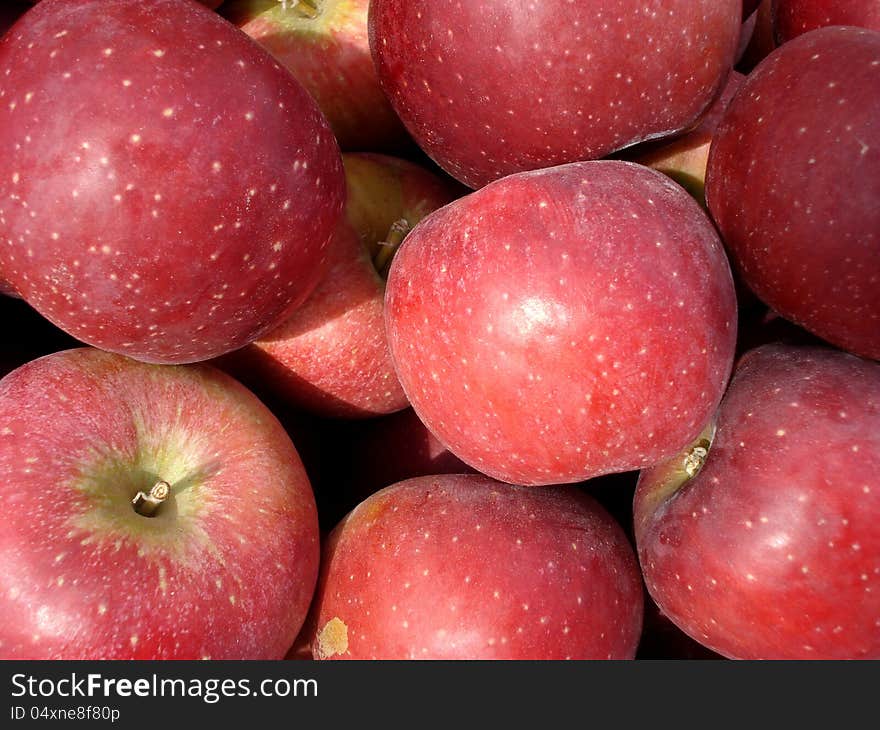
{"x": 324, "y": 44}
{"x": 154, "y": 512}
{"x": 794, "y": 187}
{"x": 168, "y": 189}
{"x": 792, "y": 18}
{"x": 331, "y": 355}
{"x": 492, "y": 88}
{"x": 762, "y": 539}
{"x": 564, "y": 323}
{"x": 464, "y": 567}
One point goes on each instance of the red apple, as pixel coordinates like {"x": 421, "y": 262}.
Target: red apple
{"x": 564, "y": 323}
{"x": 324, "y": 44}
{"x": 763, "y": 542}
{"x": 792, "y": 18}
{"x": 492, "y": 88}
{"x": 168, "y": 189}
{"x": 684, "y": 158}
{"x": 463, "y": 567}
{"x": 331, "y": 355}
{"x": 793, "y": 182}
{"x": 223, "y": 568}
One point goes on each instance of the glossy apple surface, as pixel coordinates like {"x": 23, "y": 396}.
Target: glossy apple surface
{"x": 492, "y": 88}
{"x": 463, "y": 567}
{"x": 225, "y": 568}
{"x": 331, "y": 355}
{"x": 795, "y": 187}
{"x": 168, "y": 189}
{"x": 564, "y": 323}
{"x": 770, "y": 550}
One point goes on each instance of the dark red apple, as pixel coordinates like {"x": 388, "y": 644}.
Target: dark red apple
{"x": 168, "y": 189}
{"x": 463, "y": 567}
{"x": 763, "y": 542}
{"x": 324, "y": 44}
{"x": 793, "y": 182}
{"x": 331, "y": 355}
{"x": 492, "y": 88}
{"x": 97, "y": 566}
{"x": 564, "y": 323}
{"x": 792, "y": 18}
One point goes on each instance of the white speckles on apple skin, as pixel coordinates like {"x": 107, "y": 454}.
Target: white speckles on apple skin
{"x": 778, "y": 534}
{"x": 798, "y": 212}
{"x": 598, "y": 92}
{"x": 444, "y": 593}
{"x": 596, "y": 348}
{"x": 126, "y": 173}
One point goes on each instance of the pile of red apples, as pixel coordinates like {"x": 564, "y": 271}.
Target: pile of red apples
{"x": 426, "y": 329}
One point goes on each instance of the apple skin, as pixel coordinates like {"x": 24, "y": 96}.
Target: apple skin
{"x": 770, "y": 550}
{"x": 330, "y": 56}
{"x": 331, "y": 355}
{"x": 795, "y": 188}
{"x": 463, "y": 567}
{"x": 792, "y": 18}
{"x": 164, "y": 199}
{"x": 226, "y": 569}
{"x": 564, "y": 323}
{"x": 492, "y": 88}
{"x": 684, "y": 158}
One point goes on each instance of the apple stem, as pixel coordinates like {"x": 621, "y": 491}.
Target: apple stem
{"x": 388, "y": 247}
{"x": 696, "y": 457}
{"x": 304, "y": 8}
{"x": 147, "y": 503}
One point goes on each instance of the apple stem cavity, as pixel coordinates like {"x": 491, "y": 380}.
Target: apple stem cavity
{"x": 388, "y": 247}
{"x": 677, "y": 472}
{"x": 146, "y": 503}
{"x": 696, "y": 457}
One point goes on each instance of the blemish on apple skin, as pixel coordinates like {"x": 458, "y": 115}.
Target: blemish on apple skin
{"x": 332, "y": 639}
